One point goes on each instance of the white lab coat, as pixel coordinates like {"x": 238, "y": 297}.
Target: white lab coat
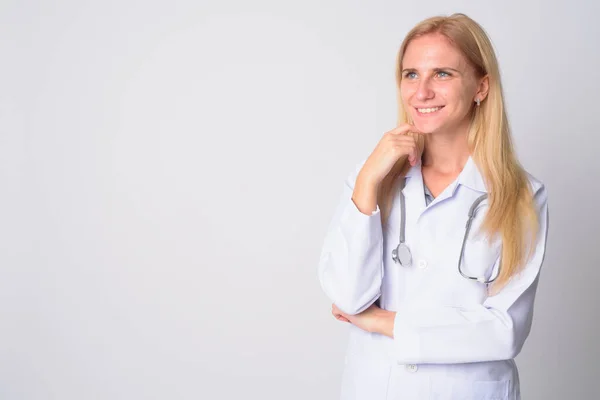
{"x": 451, "y": 341}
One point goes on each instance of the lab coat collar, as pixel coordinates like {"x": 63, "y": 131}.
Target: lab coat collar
{"x": 469, "y": 176}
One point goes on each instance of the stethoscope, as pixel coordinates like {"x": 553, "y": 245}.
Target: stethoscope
{"x": 402, "y": 255}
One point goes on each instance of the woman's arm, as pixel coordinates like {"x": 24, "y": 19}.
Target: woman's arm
{"x": 494, "y": 330}
{"x": 351, "y": 262}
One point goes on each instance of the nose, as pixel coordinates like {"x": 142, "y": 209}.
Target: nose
{"x": 424, "y": 90}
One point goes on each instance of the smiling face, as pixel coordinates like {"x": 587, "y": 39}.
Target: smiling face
{"x": 438, "y": 85}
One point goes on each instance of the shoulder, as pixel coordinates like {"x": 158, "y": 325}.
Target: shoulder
{"x": 535, "y": 184}
{"x": 538, "y": 189}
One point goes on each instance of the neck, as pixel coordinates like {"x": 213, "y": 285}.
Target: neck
{"x": 446, "y": 152}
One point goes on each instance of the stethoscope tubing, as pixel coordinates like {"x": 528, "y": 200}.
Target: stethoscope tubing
{"x": 402, "y": 254}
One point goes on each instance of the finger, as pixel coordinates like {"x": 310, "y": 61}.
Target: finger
{"x": 413, "y": 156}
{"x": 336, "y": 309}
{"x": 400, "y": 129}
{"x": 337, "y": 313}
{"x": 404, "y": 129}
{"x": 405, "y": 142}
{"x": 404, "y": 149}
{"x": 408, "y": 139}
{"x": 341, "y": 317}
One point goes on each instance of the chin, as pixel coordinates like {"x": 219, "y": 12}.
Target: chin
{"x": 427, "y": 127}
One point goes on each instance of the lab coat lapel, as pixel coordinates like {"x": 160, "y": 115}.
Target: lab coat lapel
{"x": 414, "y": 194}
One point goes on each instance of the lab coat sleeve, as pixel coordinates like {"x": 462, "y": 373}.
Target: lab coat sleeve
{"x": 351, "y": 263}
{"x": 494, "y": 330}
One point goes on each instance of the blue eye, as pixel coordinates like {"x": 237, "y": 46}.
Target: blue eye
{"x": 443, "y": 72}
{"x": 409, "y": 75}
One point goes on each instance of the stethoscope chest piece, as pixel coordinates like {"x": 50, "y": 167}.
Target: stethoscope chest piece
{"x": 401, "y": 254}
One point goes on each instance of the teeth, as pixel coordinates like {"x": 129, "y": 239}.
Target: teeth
{"x": 428, "y": 110}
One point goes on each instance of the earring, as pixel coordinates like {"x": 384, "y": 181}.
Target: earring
{"x": 477, "y": 101}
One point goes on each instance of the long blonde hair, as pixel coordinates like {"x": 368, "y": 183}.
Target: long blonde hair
{"x": 511, "y": 213}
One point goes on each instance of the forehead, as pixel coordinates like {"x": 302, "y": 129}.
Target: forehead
{"x": 432, "y": 51}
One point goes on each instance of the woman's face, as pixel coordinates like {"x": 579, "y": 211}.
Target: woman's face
{"x": 438, "y": 86}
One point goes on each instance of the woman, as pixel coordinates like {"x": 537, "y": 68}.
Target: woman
{"x": 437, "y": 310}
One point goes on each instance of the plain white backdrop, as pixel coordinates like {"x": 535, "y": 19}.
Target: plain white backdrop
{"x": 168, "y": 170}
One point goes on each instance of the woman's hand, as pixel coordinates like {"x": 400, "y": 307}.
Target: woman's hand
{"x": 373, "y": 319}
{"x": 393, "y": 145}
{"x": 337, "y": 313}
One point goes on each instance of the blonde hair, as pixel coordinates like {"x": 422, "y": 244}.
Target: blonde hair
{"x": 511, "y": 213}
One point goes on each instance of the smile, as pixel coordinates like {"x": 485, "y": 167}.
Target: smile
{"x": 429, "y": 110}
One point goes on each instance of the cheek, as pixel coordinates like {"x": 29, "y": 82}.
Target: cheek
{"x": 449, "y": 93}
{"x": 466, "y": 94}
{"x": 406, "y": 92}
{"x": 456, "y": 97}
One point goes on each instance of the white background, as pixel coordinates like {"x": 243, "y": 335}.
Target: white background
{"x": 168, "y": 170}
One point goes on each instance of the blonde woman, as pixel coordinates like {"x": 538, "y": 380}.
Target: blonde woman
{"x": 433, "y": 255}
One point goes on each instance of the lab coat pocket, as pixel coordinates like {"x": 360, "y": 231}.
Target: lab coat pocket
{"x": 455, "y": 389}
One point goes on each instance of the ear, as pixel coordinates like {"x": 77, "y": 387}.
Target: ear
{"x": 483, "y": 88}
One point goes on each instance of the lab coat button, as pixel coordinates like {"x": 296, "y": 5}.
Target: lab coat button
{"x": 411, "y": 368}
{"x": 422, "y": 264}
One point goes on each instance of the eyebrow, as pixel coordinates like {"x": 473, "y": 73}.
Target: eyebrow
{"x": 434, "y": 70}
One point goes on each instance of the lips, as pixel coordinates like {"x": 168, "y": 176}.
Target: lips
{"x": 428, "y": 110}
